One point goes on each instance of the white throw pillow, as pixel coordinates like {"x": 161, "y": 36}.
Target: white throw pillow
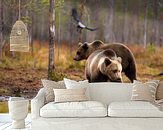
{"x": 72, "y": 84}
{"x": 49, "y": 86}
{"x": 70, "y": 95}
{"x": 144, "y": 91}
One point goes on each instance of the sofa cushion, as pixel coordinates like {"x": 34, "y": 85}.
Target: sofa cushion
{"x": 70, "y": 95}
{"x": 72, "y": 84}
{"x": 49, "y": 86}
{"x": 133, "y": 109}
{"x": 74, "y": 109}
{"x": 159, "y": 93}
{"x": 144, "y": 91}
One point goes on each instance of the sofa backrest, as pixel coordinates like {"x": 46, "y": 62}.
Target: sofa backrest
{"x": 107, "y": 92}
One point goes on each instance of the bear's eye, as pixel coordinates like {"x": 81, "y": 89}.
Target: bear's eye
{"x": 115, "y": 71}
{"x": 78, "y": 53}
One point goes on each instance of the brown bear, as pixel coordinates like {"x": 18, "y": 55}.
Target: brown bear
{"x": 103, "y": 66}
{"x": 128, "y": 60}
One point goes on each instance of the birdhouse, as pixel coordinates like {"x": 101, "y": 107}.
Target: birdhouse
{"x": 19, "y": 38}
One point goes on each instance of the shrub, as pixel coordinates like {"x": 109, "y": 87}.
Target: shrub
{"x": 56, "y": 76}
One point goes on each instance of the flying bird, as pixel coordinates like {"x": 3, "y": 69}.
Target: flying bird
{"x": 80, "y": 25}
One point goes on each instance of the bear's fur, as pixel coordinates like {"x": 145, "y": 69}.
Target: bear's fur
{"x": 128, "y": 60}
{"x": 103, "y": 66}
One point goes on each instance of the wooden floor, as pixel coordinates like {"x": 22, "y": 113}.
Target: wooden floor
{"x": 6, "y": 122}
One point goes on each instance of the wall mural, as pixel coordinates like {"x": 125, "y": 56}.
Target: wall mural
{"x": 98, "y": 41}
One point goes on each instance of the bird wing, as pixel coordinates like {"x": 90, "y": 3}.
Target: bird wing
{"x": 81, "y": 25}
{"x": 91, "y": 29}
{"x": 77, "y": 19}
{"x": 75, "y": 15}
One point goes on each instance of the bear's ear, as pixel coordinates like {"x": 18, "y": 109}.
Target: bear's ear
{"x": 107, "y": 61}
{"x": 119, "y": 59}
{"x": 110, "y": 53}
{"x": 79, "y": 44}
{"x": 104, "y": 64}
{"x": 85, "y": 46}
{"x": 97, "y": 43}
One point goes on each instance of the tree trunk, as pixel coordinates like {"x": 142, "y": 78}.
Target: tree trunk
{"x": 110, "y": 34}
{"x": 1, "y": 28}
{"x": 41, "y": 32}
{"x": 31, "y": 33}
{"x": 51, "y": 66}
{"x": 145, "y": 24}
{"x": 156, "y": 24}
{"x": 71, "y": 29}
{"x": 82, "y": 8}
{"x": 59, "y": 34}
{"x": 125, "y": 28}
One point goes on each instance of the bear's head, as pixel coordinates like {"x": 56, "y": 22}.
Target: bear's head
{"x": 112, "y": 68}
{"x": 85, "y": 49}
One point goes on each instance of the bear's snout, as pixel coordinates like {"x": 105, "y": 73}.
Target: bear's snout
{"x": 76, "y": 59}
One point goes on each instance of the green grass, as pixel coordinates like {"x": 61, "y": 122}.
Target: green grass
{"x": 3, "y": 107}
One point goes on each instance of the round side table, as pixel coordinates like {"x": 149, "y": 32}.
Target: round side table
{"x": 18, "y": 110}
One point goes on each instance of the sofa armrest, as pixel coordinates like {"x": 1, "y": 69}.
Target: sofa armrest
{"x": 36, "y": 104}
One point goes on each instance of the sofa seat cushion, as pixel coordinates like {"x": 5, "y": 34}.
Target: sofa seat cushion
{"x": 133, "y": 109}
{"x": 74, "y": 109}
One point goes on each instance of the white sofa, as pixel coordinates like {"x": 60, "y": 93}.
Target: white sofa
{"x": 122, "y": 114}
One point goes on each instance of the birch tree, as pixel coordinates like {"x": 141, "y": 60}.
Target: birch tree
{"x": 51, "y": 65}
